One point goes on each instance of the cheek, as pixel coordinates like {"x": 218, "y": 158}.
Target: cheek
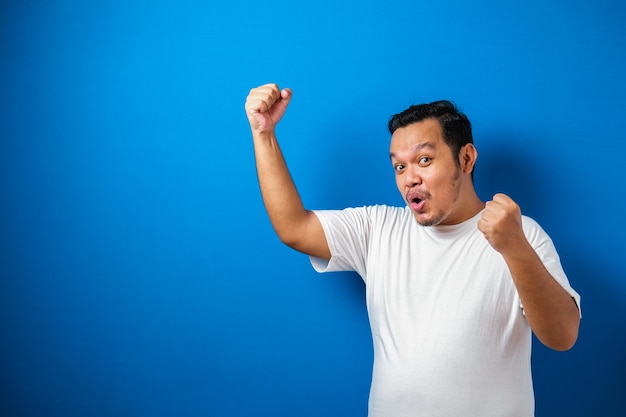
{"x": 442, "y": 187}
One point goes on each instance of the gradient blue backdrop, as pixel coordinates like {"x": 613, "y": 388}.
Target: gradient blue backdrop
{"x": 139, "y": 274}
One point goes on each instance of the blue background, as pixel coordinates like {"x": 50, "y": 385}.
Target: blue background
{"x": 139, "y": 273}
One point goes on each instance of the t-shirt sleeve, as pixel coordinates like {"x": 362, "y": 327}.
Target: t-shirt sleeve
{"x": 347, "y": 233}
{"x": 546, "y": 250}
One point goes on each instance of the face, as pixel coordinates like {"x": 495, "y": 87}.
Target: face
{"x": 427, "y": 175}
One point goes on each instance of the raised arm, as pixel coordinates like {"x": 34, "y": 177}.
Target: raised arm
{"x": 295, "y": 226}
{"x": 551, "y": 312}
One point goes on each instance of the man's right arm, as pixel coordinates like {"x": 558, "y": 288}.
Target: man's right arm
{"x": 296, "y": 226}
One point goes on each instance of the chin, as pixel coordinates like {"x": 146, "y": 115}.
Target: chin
{"x": 431, "y": 220}
{"x": 427, "y": 221}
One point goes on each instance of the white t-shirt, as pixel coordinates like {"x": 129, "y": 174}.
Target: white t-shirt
{"x": 450, "y": 337}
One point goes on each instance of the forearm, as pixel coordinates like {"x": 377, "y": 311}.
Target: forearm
{"x": 551, "y": 312}
{"x": 280, "y": 195}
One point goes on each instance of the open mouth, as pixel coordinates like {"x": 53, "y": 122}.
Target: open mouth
{"x": 417, "y": 204}
{"x": 416, "y": 201}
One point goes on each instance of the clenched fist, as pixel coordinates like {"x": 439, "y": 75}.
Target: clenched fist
{"x": 265, "y": 106}
{"x": 501, "y": 223}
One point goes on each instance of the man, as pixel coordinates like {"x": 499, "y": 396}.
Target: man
{"x": 454, "y": 286}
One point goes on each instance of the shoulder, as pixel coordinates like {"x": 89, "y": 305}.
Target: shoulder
{"x": 374, "y": 211}
{"x": 375, "y": 215}
{"x": 535, "y": 234}
{"x": 386, "y": 211}
{"x": 530, "y": 225}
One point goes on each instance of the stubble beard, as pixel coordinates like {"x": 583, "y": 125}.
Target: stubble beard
{"x": 441, "y": 216}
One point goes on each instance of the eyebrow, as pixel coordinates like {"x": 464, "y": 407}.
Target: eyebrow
{"x": 418, "y": 148}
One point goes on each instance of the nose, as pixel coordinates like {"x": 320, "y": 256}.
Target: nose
{"x": 412, "y": 177}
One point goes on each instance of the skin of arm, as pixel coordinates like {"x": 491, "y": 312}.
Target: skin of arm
{"x": 295, "y": 226}
{"x": 551, "y": 312}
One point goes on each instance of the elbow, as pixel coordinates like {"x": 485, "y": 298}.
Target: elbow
{"x": 561, "y": 334}
{"x": 287, "y": 232}
{"x": 288, "y": 239}
{"x": 296, "y": 231}
{"x": 565, "y": 339}
{"x": 296, "y": 244}
{"x": 564, "y": 344}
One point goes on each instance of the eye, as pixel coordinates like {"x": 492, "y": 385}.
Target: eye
{"x": 398, "y": 168}
{"x": 424, "y": 160}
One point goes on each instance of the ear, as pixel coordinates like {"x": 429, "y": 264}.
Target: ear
{"x": 467, "y": 158}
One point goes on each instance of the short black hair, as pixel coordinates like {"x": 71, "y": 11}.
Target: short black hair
{"x": 456, "y": 127}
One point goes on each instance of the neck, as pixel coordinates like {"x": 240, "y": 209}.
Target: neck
{"x": 469, "y": 204}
